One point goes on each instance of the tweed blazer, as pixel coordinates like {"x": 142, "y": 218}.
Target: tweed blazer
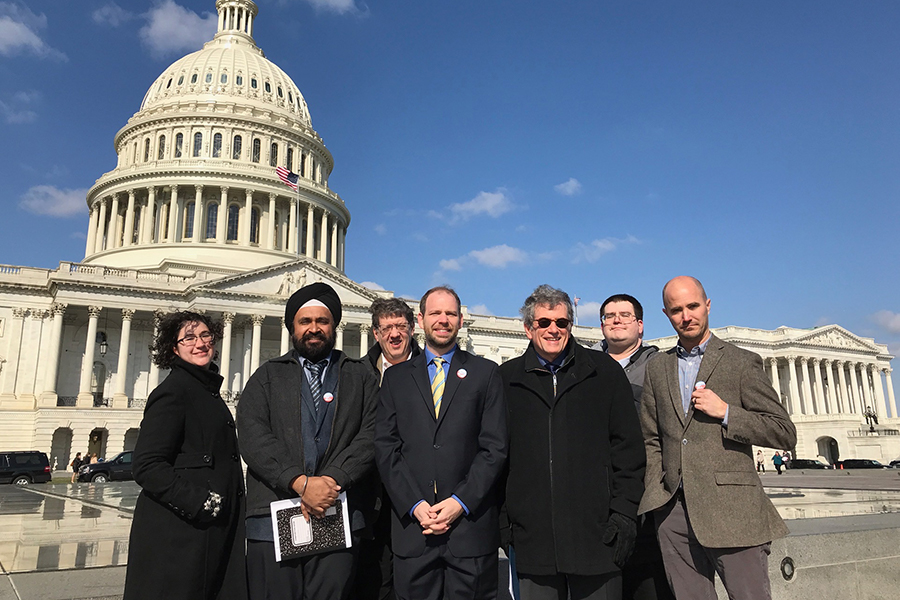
{"x": 714, "y": 463}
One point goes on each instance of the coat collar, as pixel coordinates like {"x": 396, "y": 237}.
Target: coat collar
{"x": 708, "y": 363}
{"x": 575, "y": 368}
{"x": 208, "y": 377}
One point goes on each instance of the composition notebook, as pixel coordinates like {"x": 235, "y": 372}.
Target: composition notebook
{"x": 295, "y": 536}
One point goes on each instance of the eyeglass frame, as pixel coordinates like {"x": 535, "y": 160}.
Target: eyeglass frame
{"x": 403, "y": 327}
{"x": 209, "y": 335}
{"x": 536, "y": 324}
{"x": 623, "y": 317}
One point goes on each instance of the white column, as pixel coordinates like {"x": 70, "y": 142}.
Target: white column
{"x": 222, "y": 217}
{"x": 225, "y": 367}
{"x": 892, "y": 403}
{"x": 198, "y": 213}
{"x": 128, "y": 238}
{"x": 811, "y": 408}
{"x": 173, "y": 215}
{"x": 334, "y": 243}
{"x": 246, "y": 353}
{"x": 847, "y": 403}
{"x": 858, "y": 401}
{"x": 323, "y": 237}
{"x": 85, "y": 398}
{"x": 148, "y": 218}
{"x": 101, "y": 227}
{"x": 153, "y": 376}
{"x": 339, "y": 338}
{"x": 257, "y": 321}
{"x": 292, "y": 236}
{"x": 833, "y": 392}
{"x": 773, "y": 368}
{"x": 120, "y": 400}
{"x": 310, "y": 223}
{"x": 11, "y": 367}
{"x": 90, "y": 246}
{"x": 796, "y": 404}
{"x": 364, "y": 339}
{"x": 342, "y": 244}
{"x": 286, "y": 338}
{"x": 270, "y": 241}
{"x": 48, "y": 398}
{"x": 878, "y": 388}
{"x": 244, "y": 228}
{"x": 114, "y": 229}
{"x": 821, "y": 401}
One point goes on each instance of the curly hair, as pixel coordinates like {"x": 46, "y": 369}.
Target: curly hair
{"x": 385, "y": 308}
{"x": 162, "y": 349}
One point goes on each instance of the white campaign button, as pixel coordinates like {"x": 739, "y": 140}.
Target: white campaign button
{"x": 699, "y": 385}
{"x": 462, "y": 373}
{"x": 328, "y": 397}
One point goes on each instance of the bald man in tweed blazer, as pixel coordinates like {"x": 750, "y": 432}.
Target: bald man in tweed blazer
{"x": 705, "y": 404}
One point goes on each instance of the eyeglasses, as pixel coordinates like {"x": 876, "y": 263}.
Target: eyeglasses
{"x": 400, "y": 327}
{"x": 544, "y": 323}
{"x": 191, "y": 339}
{"x": 624, "y": 317}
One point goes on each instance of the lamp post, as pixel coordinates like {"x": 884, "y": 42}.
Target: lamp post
{"x": 871, "y": 418}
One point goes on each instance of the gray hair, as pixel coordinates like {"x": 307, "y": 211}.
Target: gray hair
{"x": 383, "y": 308}
{"x": 544, "y": 295}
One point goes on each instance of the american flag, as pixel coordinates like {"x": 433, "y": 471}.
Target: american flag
{"x": 287, "y": 177}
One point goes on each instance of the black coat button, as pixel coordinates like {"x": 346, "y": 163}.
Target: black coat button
{"x": 235, "y": 457}
{"x": 207, "y": 458}
{"x": 437, "y": 446}
{"x": 230, "y": 423}
{"x": 240, "y": 493}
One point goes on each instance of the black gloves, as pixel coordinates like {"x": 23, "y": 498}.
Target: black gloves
{"x": 620, "y": 534}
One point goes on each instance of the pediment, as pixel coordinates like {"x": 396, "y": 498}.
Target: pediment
{"x": 280, "y": 281}
{"x": 835, "y": 336}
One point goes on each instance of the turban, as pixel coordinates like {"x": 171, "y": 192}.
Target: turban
{"x": 315, "y": 294}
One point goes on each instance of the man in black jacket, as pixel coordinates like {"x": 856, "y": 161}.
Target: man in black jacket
{"x": 576, "y": 459}
{"x": 306, "y": 421}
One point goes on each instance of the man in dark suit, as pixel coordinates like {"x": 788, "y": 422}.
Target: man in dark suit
{"x": 440, "y": 446}
{"x": 705, "y": 404}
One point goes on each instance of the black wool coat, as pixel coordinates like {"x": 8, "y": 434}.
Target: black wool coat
{"x": 574, "y": 458}
{"x": 187, "y": 447}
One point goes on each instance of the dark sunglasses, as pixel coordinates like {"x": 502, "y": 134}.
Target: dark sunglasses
{"x": 545, "y": 323}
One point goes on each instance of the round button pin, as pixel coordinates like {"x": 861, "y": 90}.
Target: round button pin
{"x": 328, "y": 397}
{"x": 462, "y": 373}
{"x": 699, "y": 385}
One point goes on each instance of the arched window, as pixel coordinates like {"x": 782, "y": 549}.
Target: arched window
{"x": 273, "y": 155}
{"x": 236, "y": 148}
{"x": 217, "y": 145}
{"x": 232, "y": 229}
{"x": 179, "y": 142}
{"x": 136, "y": 234}
{"x": 169, "y": 84}
{"x": 181, "y": 80}
{"x": 256, "y": 150}
{"x": 302, "y": 165}
{"x": 212, "y": 219}
{"x": 253, "y": 83}
{"x": 146, "y": 149}
{"x": 162, "y": 147}
{"x": 280, "y": 93}
{"x": 268, "y": 88}
{"x": 290, "y": 159}
{"x": 254, "y": 226}
{"x": 290, "y": 97}
{"x": 278, "y": 231}
{"x": 223, "y": 78}
{"x": 198, "y": 143}
{"x": 194, "y": 78}
{"x": 209, "y": 78}
{"x": 189, "y": 221}
{"x": 239, "y": 80}
{"x": 134, "y": 154}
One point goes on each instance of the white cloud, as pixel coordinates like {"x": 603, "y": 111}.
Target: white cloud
{"x": 479, "y": 309}
{"x": 822, "y": 321}
{"x": 492, "y": 204}
{"x": 19, "y": 29}
{"x": 173, "y": 29}
{"x": 592, "y": 251}
{"x": 589, "y": 313}
{"x": 451, "y": 264}
{"x": 380, "y": 229}
{"x": 371, "y": 285}
{"x": 111, "y": 14}
{"x": 572, "y": 187}
{"x": 54, "y": 202}
{"x": 890, "y": 321}
{"x": 500, "y": 256}
{"x": 15, "y": 114}
{"x": 340, "y": 7}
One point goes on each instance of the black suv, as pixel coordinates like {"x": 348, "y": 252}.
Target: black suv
{"x": 859, "y": 463}
{"x": 118, "y": 468}
{"x": 807, "y": 463}
{"x": 22, "y": 468}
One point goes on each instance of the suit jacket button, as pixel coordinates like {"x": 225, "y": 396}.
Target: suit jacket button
{"x": 235, "y": 457}
{"x": 684, "y": 442}
{"x": 230, "y": 423}
{"x": 207, "y": 458}
{"x": 437, "y": 446}
{"x": 240, "y": 493}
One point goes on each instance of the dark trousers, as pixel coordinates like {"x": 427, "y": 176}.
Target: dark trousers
{"x": 438, "y": 575}
{"x": 317, "y": 577}
{"x": 644, "y": 575}
{"x": 375, "y": 571}
{"x": 691, "y": 568}
{"x": 570, "y": 587}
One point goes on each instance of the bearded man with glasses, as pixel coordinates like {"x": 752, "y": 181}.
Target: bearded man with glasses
{"x": 576, "y": 460}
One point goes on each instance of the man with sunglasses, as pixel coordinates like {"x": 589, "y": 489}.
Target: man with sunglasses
{"x": 622, "y": 323}
{"x": 576, "y": 460}
{"x": 393, "y": 324}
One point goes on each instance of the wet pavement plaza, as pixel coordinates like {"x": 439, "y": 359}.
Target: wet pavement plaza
{"x": 66, "y": 541}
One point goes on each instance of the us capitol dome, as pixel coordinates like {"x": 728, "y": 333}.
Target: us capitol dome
{"x": 195, "y": 182}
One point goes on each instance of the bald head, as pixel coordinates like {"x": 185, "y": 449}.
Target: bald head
{"x": 684, "y": 280}
{"x": 687, "y": 307}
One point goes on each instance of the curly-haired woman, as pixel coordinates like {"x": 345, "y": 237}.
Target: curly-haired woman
{"x": 187, "y": 536}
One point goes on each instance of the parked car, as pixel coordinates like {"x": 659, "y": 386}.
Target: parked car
{"x": 859, "y": 463}
{"x": 808, "y": 463}
{"x": 22, "y": 468}
{"x": 895, "y": 464}
{"x": 118, "y": 468}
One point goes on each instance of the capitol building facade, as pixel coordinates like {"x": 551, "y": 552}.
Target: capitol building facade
{"x": 194, "y": 216}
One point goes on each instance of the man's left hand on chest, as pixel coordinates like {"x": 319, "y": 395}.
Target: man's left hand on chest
{"x": 707, "y": 401}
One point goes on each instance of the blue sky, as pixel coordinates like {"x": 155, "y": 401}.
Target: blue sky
{"x": 494, "y": 145}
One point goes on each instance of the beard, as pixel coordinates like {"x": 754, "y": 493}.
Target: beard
{"x": 314, "y": 346}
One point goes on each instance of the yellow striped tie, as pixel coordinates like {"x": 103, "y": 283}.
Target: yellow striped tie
{"x": 437, "y": 384}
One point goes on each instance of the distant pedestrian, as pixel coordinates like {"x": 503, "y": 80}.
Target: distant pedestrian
{"x": 76, "y": 464}
{"x": 777, "y": 461}
{"x": 786, "y": 458}
{"x": 760, "y": 462}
